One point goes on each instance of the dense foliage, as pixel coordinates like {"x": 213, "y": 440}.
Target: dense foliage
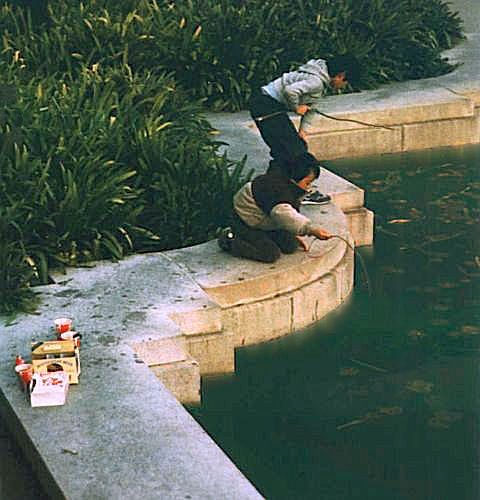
{"x": 220, "y": 49}
{"x": 104, "y": 149}
{"x": 110, "y": 164}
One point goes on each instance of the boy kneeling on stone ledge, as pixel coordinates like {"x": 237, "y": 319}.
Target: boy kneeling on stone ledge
{"x": 266, "y": 218}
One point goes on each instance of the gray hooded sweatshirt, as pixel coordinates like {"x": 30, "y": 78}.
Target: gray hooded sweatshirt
{"x": 304, "y": 86}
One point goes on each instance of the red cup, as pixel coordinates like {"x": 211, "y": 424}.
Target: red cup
{"x": 24, "y": 372}
{"x": 19, "y": 360}
{"x": 63, "y": 325}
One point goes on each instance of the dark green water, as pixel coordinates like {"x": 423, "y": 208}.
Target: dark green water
{"x": 17, "y": 480}
{"x": 381, "y": 399}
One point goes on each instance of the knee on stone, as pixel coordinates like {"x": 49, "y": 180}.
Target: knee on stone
{"x": 271, "y": 256}
{"x": 290, "y": 248}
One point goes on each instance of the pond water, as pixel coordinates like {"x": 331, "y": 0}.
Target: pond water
{"x": 380, "y": 400}
{"x": 17, "y": 480}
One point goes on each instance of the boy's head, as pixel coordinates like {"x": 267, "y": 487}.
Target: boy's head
{"x": 344, "y": 69}
{"x": 305, "y": 170}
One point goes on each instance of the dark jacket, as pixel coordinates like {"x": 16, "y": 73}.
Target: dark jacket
{"x": 271, "y": 202}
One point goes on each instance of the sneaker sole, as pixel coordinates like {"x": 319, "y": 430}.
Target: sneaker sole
{"x": 308, "y": 202}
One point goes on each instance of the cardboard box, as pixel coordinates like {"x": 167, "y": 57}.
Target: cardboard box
{"x": 49, "y": 389}
{"x": 57, "y": 355}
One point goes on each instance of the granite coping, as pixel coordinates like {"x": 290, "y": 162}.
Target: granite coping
{"x": 121, "y": 433}
{"x": 216, "y": 273}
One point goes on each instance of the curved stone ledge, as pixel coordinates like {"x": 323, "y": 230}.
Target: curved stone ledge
{"x": 229, "y": 281}
{"x": 276, "y": 299}
{"x": 291, "y": 311}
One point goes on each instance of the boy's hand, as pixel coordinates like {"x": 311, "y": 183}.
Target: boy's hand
{"x": 302, "y": 109}
{"x": 302, "y": 243}
{"x": 302, "y": 134}
{"x": 321, "y": 234}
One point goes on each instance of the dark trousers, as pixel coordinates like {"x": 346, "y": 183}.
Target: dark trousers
{"x": 278, "y": 131}
{"x": 256, "y": 244}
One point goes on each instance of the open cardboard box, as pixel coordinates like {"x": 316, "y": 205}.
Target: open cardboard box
{"x": 56, "y": 355}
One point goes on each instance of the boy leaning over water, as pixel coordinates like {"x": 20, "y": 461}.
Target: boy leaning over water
{"x": 297, "y": 91}
{"x": 266, "y": 220}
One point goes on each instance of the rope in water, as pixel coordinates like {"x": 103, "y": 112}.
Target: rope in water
{"x": 360, "y": 258}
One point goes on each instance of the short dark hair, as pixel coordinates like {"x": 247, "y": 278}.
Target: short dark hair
{"x": 303, "y": 165}
{"x": 347, "y": 63}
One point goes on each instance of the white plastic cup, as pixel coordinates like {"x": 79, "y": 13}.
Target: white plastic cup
{"x": 71, "y": 335}
{"x": 63, "y": 325}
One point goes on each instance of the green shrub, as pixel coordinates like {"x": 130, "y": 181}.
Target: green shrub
{"x": 219, "y": 50}
{"x": 184, "y": 183}
{"x": 16, "y": 269}
{"x": 65, "y": 156}
{"x": 113, "y": 163}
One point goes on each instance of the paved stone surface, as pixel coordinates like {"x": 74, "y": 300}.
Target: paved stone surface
{"x": 469, "y": 11}
{"x": 95, "y": 446}
{"x": 466, "y": 78}
{"x": 129, "y": 435}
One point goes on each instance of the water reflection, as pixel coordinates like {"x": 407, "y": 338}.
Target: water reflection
{"x": 380, "y": 400}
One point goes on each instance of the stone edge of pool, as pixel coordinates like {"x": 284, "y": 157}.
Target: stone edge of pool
{"x": 403, "y": 116}
{"x": 413, "y": 115}
{"x": 177, "y": 315}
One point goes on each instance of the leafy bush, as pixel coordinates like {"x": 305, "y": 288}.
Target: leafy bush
{"x": 16, "y": 269}
{"x": 219, "y": 50}
{"x": 110, "y": 164}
